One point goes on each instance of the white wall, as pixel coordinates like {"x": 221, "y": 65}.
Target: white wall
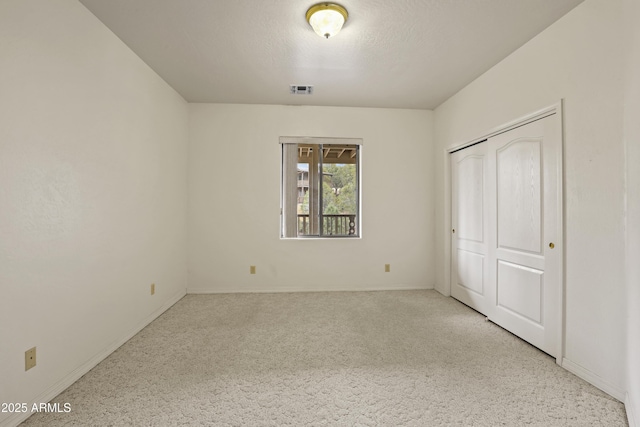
{"x": 632, "y": 143}
{"x": 234, "y": 201}
{"x": 93, "y": 187}
{"x": 578, "y": 59}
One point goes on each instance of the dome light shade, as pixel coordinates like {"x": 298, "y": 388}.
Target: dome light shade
{"x": 327, "y": 19}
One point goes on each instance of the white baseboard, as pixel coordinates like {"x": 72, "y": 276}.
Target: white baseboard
{"x": 74, "y": 375}
{"x": 593, "y": 379}
{"x": 632, "y": 405}
{"x": 231, "y": 290}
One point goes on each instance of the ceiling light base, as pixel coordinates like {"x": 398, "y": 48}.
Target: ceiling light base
{"x": 327, "y": 19}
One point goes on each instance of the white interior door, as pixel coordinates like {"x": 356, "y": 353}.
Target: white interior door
{"x": 506, "y": 230}
{"x": 469, "y": 234}
{"x": 524, "y": 167}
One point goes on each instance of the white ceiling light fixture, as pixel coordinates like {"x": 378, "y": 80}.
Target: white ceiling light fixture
{"x": 327, "y": 19}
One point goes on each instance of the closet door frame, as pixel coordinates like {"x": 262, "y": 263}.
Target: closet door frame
{"x": 554, "y": 110}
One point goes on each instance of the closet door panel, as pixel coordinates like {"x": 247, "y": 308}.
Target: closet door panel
{"x": 519, "y": 194}
{"x": 524, "y": 264}
{"x": 469, "y": 268}
{"x": 520, "y": 291}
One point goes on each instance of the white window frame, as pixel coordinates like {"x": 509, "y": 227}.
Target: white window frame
{"x": 289, "y": 222}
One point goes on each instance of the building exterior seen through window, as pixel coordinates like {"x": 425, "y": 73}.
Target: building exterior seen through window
{"x": 321, "y": 196}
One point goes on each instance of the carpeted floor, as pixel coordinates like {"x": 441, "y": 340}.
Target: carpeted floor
{"x": 401, "y": 358}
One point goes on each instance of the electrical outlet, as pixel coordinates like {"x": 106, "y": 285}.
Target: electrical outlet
{"x": 252, "y": 269}
{"x": 153, "y": 289}
{"x": 29, "y": 358}
{"x": 387, "y": 268}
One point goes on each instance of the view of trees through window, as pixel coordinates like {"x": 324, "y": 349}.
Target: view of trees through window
{"x": 339, "y": 194}
{"x": 326, "y": 190}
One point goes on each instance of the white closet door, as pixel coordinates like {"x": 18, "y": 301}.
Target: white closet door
{"x": 526, "y": 266}
{"x": 506, "y": 255}
{"x": 469, "y": 234}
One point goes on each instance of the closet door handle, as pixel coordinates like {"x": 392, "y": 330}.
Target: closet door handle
{"x": 551, "y": 245}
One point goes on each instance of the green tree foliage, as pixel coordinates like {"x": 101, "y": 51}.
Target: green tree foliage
{"x": 339, "y": 194}
{"x": 304, "y": 207}
{"x": 339, "y": 189}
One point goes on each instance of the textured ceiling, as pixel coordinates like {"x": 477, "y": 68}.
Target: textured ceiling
{"x": 391, "y": 53}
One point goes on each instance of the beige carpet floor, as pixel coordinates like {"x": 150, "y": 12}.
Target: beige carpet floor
{"x": 401, "y": 358}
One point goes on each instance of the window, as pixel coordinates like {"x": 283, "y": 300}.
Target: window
{"x": 320, "y": 187}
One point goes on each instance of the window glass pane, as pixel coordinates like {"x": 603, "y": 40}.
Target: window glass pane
{"x": 308, "y": 184}
{"x": 289, "y": 191}
{"x": 320, "y": 190}
{"x": 339, "y": 190}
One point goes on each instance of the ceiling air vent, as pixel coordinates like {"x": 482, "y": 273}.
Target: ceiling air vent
{"x": 300, "y": 90}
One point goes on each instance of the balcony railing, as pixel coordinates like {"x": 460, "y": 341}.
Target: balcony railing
{"x": 332, "y": 225}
